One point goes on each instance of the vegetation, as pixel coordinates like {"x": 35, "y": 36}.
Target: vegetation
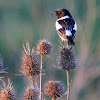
{"x": 22, "y": 20}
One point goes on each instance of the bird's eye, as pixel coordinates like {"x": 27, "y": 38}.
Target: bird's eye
{"x": 59, "y": 12}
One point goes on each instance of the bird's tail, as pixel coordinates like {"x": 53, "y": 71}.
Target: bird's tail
{"x": 70, "y": 41}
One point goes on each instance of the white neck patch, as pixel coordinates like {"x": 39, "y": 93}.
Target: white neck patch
{"x": 63, "y": 17}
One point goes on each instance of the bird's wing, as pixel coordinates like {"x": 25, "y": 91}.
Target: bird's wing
{"x": 71, "y": 25}
{"x": 60, "y": 27}
{"x": 62, "y": 33}
{"x": 66, "y": 27}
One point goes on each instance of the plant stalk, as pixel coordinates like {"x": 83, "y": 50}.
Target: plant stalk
{"x": 41, "y": 75}
{"x": 68, "y": 84}
{"x": 32, "y": 80}
{"x": 53, "y": 98}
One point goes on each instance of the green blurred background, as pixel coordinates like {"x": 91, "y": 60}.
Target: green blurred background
{"x": 30, "y": 20}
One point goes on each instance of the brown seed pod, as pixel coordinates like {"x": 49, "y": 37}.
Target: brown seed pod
{"x": 30, "y": 65}
{"x": 54, "y": 89}
{"x": 7, "y": 92}
{"x": 31, "y": 94}
{"x": 67, "y": 60}
{"x": 44, "y": 47}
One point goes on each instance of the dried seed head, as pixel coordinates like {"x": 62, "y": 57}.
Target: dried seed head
{"x": 67, "y": 59}
{"x": 54, "y": 89}
{"x": 44, "y": 47}
{"x": 7, "y": 93}
{"x": 31, "y": 94}
{"x": 30, "y": 65}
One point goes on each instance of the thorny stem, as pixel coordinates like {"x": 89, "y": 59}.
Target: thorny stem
{"x": 63, "y": 43}
{"x": 32, "y": 80}
{"x": 40, "y": 91}
{"x": 53, "y": 98}
{"x": 64, "y": 94}
{"x": 68, "y": 85}
{"x": 41, "y": 74}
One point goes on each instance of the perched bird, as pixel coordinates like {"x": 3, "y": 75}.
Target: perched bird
{"x": 65, "y": 25}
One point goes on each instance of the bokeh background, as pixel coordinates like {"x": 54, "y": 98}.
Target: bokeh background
{"x": 30, "y": 20}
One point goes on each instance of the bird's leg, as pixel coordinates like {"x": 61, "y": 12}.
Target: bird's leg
{"x": 67, "y": 45}
{"x": 70, "y": 46}
{"x": 63, "y": 43}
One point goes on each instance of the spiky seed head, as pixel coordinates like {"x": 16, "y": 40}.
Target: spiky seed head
{"x": 67, "y": 59}
{"x": 31, "y": 94}
{"x": 7, "y": 93}
{"x": 44, "y": 47}
{"x": 54, "y": 89}
{"x": 30, "y": 65}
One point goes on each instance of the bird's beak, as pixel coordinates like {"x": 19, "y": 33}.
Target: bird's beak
{"x": 53, "y": 12}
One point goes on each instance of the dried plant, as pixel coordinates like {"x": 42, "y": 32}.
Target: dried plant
{"x": 30, "y": 65}
{"x": 31, "y": 94}
{"x": 7, "y": 93}
{"x": 54, "y": 89}
{"x": 67, "y": 61}
{"x": 2, "y": 70}
{"x": 43, "y": 48}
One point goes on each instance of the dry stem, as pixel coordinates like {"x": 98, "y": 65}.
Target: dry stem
{"x": 68, "y": 85}
{"x": 53, "y": 98}
{"x": 41, "y": 74}
{"x": 32, "y": 80}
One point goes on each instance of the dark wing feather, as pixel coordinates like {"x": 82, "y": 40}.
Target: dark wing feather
{"x": 61, "y": 31}
{"x": 70, "y": 25}
{"x": 67, "y": 24}
{"x": 73, "y": 34}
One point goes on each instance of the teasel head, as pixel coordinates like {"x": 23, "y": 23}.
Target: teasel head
{"x": 67, "y": 59}
{"x": 31, "y": 94}
{"x": 54, "y": 89}
{"x": 7, "y": 93}
{"x": 30, "y": 65}
{"x": 44, "y": 47}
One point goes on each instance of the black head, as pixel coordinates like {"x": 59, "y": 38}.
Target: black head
{"x": 61, "y": 13}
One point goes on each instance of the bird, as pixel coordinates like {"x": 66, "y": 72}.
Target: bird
{"x": 65, "y": 25}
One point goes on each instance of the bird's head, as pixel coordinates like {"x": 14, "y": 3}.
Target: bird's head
{"x": 61, "y": 13}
